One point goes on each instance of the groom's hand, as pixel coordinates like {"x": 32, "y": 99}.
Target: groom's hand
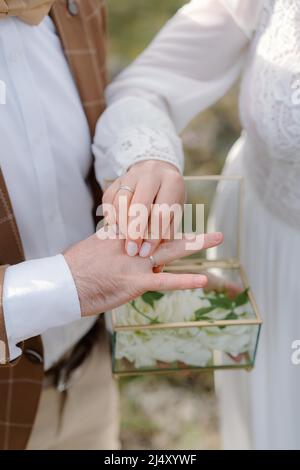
{"x": 106, "y": 277}
{"x": 147, "y": 182}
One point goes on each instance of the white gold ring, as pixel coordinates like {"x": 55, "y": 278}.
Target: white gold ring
{"x": 153, "y": 261}
{"x": 126, "y": 188}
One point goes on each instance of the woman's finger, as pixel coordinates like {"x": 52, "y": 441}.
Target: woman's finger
{"x": 189, "y": 244}
{"x": 167, "y": 209}
{"x": 139, "y": 211}
{"x": 122, "y": 200}
{"x": 110, "y": 192}
{"x": 108, "y": 200}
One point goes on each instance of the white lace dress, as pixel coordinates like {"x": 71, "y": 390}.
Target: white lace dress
{"x": 262, "y": 409}
{"x": 192, "y": 63}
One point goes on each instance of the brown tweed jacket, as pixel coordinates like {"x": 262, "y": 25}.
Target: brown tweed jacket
{"x": 81, "y": 25}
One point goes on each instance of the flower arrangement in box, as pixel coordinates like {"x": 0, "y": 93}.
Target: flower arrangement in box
{"x": 217, "y": 327}
{"x": 185, "y": 330}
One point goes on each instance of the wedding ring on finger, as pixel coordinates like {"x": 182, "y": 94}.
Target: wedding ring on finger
{"x": 126, "y": 188}
{"x": 153, "y": 262}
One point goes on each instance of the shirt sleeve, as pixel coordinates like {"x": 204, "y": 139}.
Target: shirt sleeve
{"x": 190, "y": 64}
{"x": 37, "y": 295}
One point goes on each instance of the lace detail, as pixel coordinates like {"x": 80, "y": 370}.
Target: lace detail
{"x": 270, "y": 110}
{"x": 276, "y": 182}
{"x": 145, "y": 143}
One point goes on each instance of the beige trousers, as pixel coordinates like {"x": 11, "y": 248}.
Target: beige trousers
{"x": 90, "y": 418}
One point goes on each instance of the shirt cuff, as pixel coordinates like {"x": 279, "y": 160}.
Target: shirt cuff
{"x": 133, "y": 130}
{"x": 38, "y": 295}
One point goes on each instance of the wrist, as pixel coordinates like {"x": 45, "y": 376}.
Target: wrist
{"x": 156, "y": 161}
{"x": 38, "y": 295}
{"x": 88, "y": 289}
{"x": 153, "y": 164}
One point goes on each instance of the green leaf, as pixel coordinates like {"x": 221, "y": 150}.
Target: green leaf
{"x": 151, "y": 320}
{"x": 204, "y": 318}
{"x": 220, "y": 302}
{"x": 155, "y": 320}
{"x": 151, "y": 297}
{"x": 243, "y": 315}
{"x": 232, "y": 316}
{"x": 156, "y": 295}
{"x": 242, "y": 298}
{"x": 203, "y": 311}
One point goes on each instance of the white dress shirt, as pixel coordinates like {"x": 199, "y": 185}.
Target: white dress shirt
{"x": 46, "y": 149}
{"x": 44, "y": 167}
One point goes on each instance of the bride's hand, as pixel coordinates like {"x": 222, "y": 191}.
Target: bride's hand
{"x": 147, "y": 182}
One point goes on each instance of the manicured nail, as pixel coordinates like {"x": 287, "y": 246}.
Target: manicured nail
{"x": 132, "y": 248}
{"x": 145, "y": 249}
{"x": 200, "y": 280}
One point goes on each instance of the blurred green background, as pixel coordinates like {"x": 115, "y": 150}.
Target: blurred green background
{"x": 171, "y": 412}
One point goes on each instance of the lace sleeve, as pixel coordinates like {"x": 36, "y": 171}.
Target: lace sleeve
{"x": 144, "y": 143}
{"x": 132, "y": 131}
{"x": 192, "y": 62}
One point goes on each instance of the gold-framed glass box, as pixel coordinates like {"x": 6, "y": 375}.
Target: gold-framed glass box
{"x": 213, "y": 328}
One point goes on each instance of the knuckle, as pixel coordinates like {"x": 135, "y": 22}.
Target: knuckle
{"x": 159, "y": 284}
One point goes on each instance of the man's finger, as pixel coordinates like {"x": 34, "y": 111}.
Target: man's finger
{"x": 169, "y": 281}
{"x": 189, "y": 244}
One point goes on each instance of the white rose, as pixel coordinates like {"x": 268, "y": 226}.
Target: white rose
{"x": 134, "y": 347}
{"x": 179, "y": 306}
{"x": 144, "y": 348}
{"x": 128, "y": 315}
{"x": 218, "y": 314}
{"x": 232, "y": 339}
{"x": 192, "y": 346}
{"x": 246, "y": 308}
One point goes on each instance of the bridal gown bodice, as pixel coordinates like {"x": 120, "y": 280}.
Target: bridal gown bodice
{"x": 270, "y": 110}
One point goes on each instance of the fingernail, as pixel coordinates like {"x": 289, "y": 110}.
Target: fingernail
{"x": 218, "y": 236}
{"x": 132, "y": 248}
{"x": 145, "y": 249}
{"x": 200, "y": 280}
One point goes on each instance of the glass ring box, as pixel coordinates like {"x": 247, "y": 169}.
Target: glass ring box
{"x": 213, "y": 328}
